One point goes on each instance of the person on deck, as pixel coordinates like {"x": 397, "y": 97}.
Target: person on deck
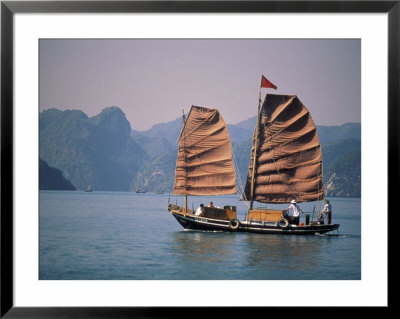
{"x": 295, "y": 218}
{"x": 212, "y": 205}
{"x": 199, "y": 210}
{"x": 328, "y": 211}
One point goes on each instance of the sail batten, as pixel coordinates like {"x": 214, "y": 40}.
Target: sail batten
{"x": 281, "y": 108}
{"x": 289, "y": 178}
{"x": 292, "y": 143}
{"x": 296, "y": 157}
{"x": 204, "y": 164}
{"x": 199, "y": 152}
{"x": 288, "y": 163}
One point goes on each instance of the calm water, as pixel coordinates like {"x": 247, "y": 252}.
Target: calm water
{"x": 111, "y": 235}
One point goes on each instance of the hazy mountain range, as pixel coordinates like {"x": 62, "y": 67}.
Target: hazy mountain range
{"x": 102, "y": 151}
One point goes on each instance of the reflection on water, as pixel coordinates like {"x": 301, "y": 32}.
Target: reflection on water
{"x": 263, "y": 257}
{"x": 202, "y": 245}
{"x": 277, "y": 251}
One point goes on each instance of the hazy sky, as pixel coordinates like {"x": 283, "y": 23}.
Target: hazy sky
{"x": 152, "y": 81}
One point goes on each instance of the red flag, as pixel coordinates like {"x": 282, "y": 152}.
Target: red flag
{"x": 265, "y": 83}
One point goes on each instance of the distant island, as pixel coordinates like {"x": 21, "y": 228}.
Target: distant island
{"x": 104, "y": 152}
{"x": 51, "y": 178}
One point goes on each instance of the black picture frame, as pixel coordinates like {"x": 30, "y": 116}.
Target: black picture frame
{"x": 9, "y": 8}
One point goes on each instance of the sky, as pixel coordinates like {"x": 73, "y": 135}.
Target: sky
{"x": 154, "y": 80}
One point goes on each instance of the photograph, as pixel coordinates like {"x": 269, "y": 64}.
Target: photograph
{"x": 199, "y": 159}
{"x": 161, "y": 158}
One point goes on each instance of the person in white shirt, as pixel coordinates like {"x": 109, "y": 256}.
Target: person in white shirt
{"x": 199, "y": 210}
{"x": 295, "y": 218}
{"x": 328, "y": 211}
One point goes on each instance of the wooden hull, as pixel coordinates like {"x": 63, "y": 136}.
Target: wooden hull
{"x": 192, "y": 222}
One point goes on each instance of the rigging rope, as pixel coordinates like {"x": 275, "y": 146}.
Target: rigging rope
{"x": 239, "y": 183}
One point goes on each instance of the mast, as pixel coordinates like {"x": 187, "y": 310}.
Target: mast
{"x": 183, "y": 119}
{"x": 255, "y": 146}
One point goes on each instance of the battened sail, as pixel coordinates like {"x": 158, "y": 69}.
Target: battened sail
{"x": 288, "y": 161}
{"x": 204, "y": 164}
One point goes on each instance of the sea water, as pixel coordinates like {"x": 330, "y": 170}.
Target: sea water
{"x": 125, "y": 235}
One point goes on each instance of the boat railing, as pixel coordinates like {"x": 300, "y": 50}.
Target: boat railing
{"x": 180, "y": 209}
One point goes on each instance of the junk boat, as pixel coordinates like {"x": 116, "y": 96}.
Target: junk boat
{"x": 285, "y": 165}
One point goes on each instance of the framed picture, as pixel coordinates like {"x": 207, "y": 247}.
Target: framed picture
{"x": 43, "y": 43}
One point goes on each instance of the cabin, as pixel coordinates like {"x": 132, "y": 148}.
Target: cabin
{"x": 226, "y": 213}
{"x": 269, "y": 215}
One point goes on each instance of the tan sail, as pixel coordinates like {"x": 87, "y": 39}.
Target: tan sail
{"x": 289, "y": 162}
{"x": 204, "y": 164}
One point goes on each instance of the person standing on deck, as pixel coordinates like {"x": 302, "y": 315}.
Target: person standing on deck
{"x": 295, "y": 212}
{"x": 199, "y": 210}
{"x": 328, "y": 211}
